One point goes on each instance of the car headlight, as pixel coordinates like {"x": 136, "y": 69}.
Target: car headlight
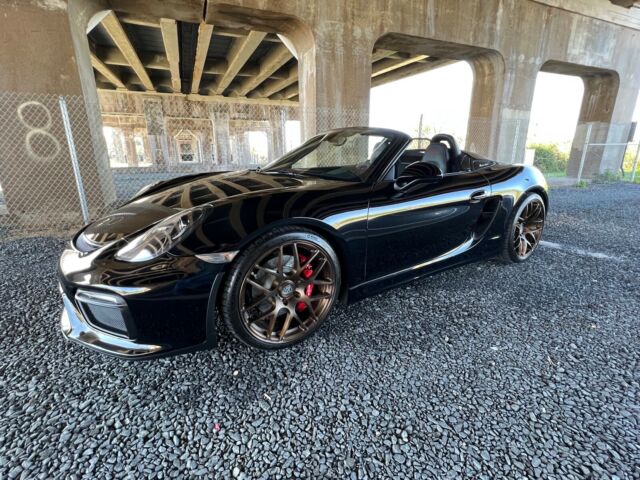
{"x": 160, "y": 238}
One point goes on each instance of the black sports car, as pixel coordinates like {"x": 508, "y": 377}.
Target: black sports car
{"x": 345, "y": 215}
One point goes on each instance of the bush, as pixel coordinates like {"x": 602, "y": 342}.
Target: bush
{"x": 549, "y": 158}
{"x": 629, "y": 158}
{"x": 607, "y": 177}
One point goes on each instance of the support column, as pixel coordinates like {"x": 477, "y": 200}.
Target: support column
{"x": 37, "y": 176}
{"x": 222, "y": 137}
{"x": 601, "y": 96}
{"x": 483, "y": 126}
{"x": 132, "y": 157}
{"x": 501, "y": 107}
{"x": 156, "y": 131}
{"x": 277, "y": 119}
{"x": 334, "y": 77}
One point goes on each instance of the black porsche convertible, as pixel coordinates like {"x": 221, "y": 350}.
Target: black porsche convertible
{"x": 347, "y": 214}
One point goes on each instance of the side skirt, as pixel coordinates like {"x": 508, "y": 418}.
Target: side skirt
{"x": 468, "y": 252}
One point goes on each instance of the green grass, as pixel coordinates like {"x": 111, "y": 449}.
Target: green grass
{"x": 635, "y": 180}
{"x": 627, "y": 177}
{"x": 555, "y": 174}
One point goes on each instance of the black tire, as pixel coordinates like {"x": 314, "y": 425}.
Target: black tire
{"x": 509, "y": 252}
{"x": 241, "y": 283}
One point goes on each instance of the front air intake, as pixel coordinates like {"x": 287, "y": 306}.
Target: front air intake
{"x": 105, "y": 312}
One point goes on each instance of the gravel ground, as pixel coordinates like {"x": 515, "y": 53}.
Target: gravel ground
{"x": 485, "y": 371}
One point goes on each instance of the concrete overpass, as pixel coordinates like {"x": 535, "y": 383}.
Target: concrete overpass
{"x": 325, "y": 56}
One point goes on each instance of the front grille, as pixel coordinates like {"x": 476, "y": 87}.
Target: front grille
{"x": 105, "y": 311}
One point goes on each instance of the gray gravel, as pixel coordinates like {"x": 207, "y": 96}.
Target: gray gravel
{"x": 486, "y": 371}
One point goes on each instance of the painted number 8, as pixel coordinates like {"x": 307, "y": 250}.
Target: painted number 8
{"x": 36, "y": 130}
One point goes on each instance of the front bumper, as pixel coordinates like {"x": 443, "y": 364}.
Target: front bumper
{"x": 167, "y": 306}
{"x": 76, "y": 328}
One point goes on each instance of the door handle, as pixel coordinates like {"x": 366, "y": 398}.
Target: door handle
{"x": 475, "y": 197}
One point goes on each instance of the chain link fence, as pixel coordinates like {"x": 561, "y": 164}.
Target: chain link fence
{"x": 65, "y": 161}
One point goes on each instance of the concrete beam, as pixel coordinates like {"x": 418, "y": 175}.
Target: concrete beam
{"x": 241, "y": 100}
{"x": 159, "y": 61}
{"x": 388, "y": 65}
{"x": 180, "y": 10}
{"x": 241, "y": 33}
{"x": 152, "y": 61}
{"x": 202, "y": 98}
{"x": 169, "y": 30}
{"x": 272, "y": 87}
{"x": 409, "y": 71}
{"x": 238, "y": 56}
{"x": 219, "y": 67}
{"x": 204, "y": 39}
{"x": 288, "y": 93}
{"x": 109, "y": 74}
{"x": 142, "y": 20}
{"x": 275, "y": 59}
{"x": 380, "y": 53}
{"x": 118, "y": 35}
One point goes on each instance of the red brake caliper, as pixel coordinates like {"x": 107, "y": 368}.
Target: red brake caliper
{"x": 306, "y": 273}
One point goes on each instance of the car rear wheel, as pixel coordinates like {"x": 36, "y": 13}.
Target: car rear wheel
{"x": 281, "y": 288}
{"x": 524, "y": 229}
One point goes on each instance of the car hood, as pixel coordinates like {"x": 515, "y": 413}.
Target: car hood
{"x": 167, "y": 198}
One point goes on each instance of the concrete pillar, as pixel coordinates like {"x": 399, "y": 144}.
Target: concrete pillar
{"x": 94, "y": 158}
{"x": 277, "y": 119}
{"x": 221, "y": 137}
{"x": 484, "y": 115}
{"x": 37, "y": 174}
{"x": 156, "y": 131}
{"x": 132, "y": 156}
{"x": 334, "y": 77}
{"x": 501, "y": 107}
{"x": 595, "y": 120}
{"x": 242, "y": 154}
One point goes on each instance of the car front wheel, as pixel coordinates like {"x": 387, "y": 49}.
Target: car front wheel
{"x": 281, "y": 288}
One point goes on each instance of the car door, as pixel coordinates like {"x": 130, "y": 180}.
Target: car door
{"x": 430, "y": 218}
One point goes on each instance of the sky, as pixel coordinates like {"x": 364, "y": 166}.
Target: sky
{"x": 443, "y": 96}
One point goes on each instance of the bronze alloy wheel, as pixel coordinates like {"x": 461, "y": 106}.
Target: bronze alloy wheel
{"x": 287, "y": 292}
{"x": 528, "y": 227}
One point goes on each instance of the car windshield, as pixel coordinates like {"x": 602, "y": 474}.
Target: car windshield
{"x": 344, "y": 155}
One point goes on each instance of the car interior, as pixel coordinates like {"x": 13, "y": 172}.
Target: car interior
{"x": 441, "y": 157}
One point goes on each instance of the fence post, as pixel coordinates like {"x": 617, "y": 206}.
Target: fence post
{"x": 635, "y": 163}
{"x": 585, "y": 147}
{"x": 515, "y": 142}
{"x": 74, "y": 159}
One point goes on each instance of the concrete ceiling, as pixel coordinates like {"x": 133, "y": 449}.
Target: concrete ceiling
{"x": 169, "y": 56}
